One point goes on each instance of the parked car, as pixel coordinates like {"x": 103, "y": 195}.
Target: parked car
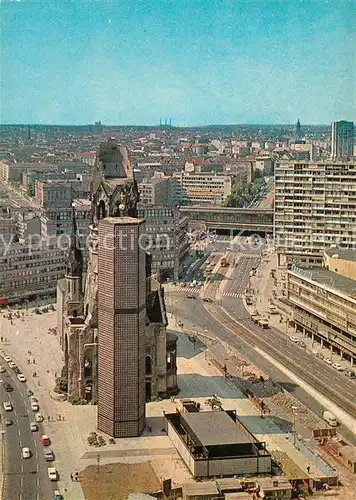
{"x": 34, "y": 406}
{"x": 7, "y": 406}
{"x": 8, "y": 421}
{"x": 208, "y": 299}
{"x": 350, "y": 374}
{"x": 301, "y": 343}
{"x": 52, "y": 473}
{"x": 338, "y": 367}
{"x": 45, "y": 441}
{"x": 8, "y": 387}
{"x": 39, "y": 418}
{"x": 21, "y": 377}
{"x": 2, "y": 369}
{"x": 294, "y": 339}
{"x": 49, "y": 456}
{"x": 57, "y": 495}
{"x": 33, "y": 427}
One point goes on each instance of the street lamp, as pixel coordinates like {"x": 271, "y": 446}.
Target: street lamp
{"x": 176, "y": 311}
{"x": 294, "y": 408}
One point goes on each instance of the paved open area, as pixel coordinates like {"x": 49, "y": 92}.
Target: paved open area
{"x": 30, "y": 340}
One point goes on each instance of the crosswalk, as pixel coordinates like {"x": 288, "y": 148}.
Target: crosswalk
{"x": 232, "y": 295}
{"x": 187, "y": 289}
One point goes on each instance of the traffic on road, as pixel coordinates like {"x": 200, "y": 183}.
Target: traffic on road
{"x": 27, "y": 448}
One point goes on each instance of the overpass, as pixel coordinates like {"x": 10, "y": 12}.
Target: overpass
{"x": 231, "y": 219}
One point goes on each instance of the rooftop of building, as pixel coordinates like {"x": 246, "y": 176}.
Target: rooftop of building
{"x": 341, "y": 253}
{"x": 274, "y": 483}
{"x": 202, "y": 423}
{"x": 125, "y": 221}
{"x": 327, "y": 278}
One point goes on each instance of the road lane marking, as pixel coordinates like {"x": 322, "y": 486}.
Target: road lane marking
{"x": 21, "y": 468}
{"x": 21, "y": 482}
{"x": 37, "y": 468}
{"x": 342, "y": 415}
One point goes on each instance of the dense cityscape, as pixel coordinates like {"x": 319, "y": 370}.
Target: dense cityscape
{"x": 177, "y": 250}
{"x": 136, "y": 262}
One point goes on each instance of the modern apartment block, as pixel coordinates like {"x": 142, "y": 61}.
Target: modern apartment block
{"x": 28, "y": 271}
{"x": 160, "y": 189}
{"x": 168, "y": 238}
{"x": 342, "y": 139}
{"x": 315, "y": 208}
{"x": 203, "y": 188}
{"x": 324, "y": 302}
{"x": 121, "y": 327}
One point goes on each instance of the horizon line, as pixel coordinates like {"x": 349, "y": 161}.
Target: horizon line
{"x": 166, "y": 126}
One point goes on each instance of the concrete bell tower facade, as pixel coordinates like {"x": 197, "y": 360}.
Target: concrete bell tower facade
{"x": 121, "y": 327}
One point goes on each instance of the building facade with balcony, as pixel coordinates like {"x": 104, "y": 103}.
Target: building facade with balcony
{"x": 29, "y": 271}
{"x": 315, "y": 209}
{"x": 324, "y": 309}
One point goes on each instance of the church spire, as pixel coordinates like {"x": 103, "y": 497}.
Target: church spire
{"x": 74, "y": 264}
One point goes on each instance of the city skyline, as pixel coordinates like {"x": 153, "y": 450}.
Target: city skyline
{"x": 217, "y": 63}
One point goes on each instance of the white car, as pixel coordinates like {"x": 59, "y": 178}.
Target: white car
{"x": 7, "y": 406}
{"x": 2, "y": 369}
{"x": 39, "y": 417}
{"x": 294, "y": 339}
{"x": 12, "y": 364}
{"x": 7, "y": 359}
{"x": 33, "y": 427}
{"x": 21, "y": 377}
{"x": 338, "y": 367}
{"x": 52, "y": 473}
{"x": 25, "y": 452}
{"x": 34, "y": 406}
{"x": 328, "y": 361}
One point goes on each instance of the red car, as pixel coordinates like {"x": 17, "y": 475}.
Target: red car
{"x": 45, "y": 441}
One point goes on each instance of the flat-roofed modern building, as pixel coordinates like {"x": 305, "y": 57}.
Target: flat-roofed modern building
{"x": 315, "y": 208}
{"x": 204, "y": 188}
{"x": 167, "y": 232}
{"x": 30, "y": 270}
{"x": 342, "y": 139}
{"x": 216, "y": 443}
{"x": 324, "y": 306}
{"x": 121, "y": 327}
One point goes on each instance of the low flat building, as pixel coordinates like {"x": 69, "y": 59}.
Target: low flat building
{"x": 272, "y": 488}
{"x": 216, "y": 443}
{"x": 324, "y": 306}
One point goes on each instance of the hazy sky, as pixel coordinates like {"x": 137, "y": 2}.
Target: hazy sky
{"x": 195, "y": 61}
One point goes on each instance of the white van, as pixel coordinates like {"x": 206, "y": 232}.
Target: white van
{"x": 330, "y": 418}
